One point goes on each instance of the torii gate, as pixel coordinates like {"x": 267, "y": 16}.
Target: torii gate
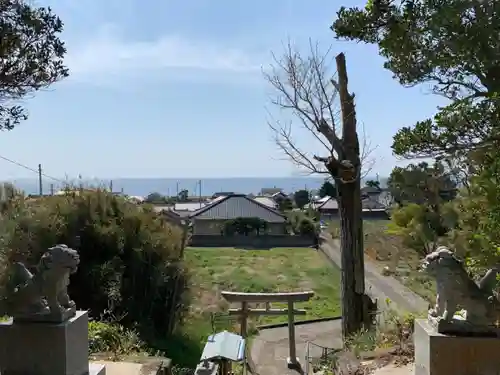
{"x": 244, "y": 312}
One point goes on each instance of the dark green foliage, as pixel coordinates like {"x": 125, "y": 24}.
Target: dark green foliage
{"x": 422, "y": 184}
{"x": 421, "y": 191}
{"x": 452, "y": 45}
{"x": 183, "y": 196}
{"x": 373, "y": 184}
{"x": 245, "y": 226}
{"x": 285, "y": 204}
{"x": 130, "y": 268}
{"x": 301, "y": 198}
{"x": 31, "y": 55}
{"x": 155, "y": 198}
{"x": 306, "y": 227}
{"x": 302, "y": 223}
{"x": 328, "y": 189}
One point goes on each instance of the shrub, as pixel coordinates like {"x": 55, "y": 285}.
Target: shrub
{"x": 112, "y": 337}
{"x": 307, "y": 227}
{"x": 245, "y": 226}
{"x": 300, "y": 222}
{"x": 130, "y": 266}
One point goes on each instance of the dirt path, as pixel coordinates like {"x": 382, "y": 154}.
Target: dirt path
{"x": 379, "y": 286}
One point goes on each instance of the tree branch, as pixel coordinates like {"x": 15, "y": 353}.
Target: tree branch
{"x": 306, "y": 87}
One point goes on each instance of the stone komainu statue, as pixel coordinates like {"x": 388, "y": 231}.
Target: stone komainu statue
{"x": 44, "y": 295}
{"x": 456, "y": 288}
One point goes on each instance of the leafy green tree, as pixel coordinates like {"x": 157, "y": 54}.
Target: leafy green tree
{"x": 245, "y": 226}
{"x": 183, "y": 196}
{"x": 422, "y": 184}
{"x": 373, "y": 184}
{"x": 411, "y": 224}
{"x": 307, "y": 227}
{"x": 475, "y": 216}
{"x": 328, "y": 190}
{"x": 31, "y": 56}
{"x": 451, "y": 45}
{"x": 301, "y": 198}
{"x": 130, "y": 259}
{"x": 285, "y": 204}
{"x": 155, "y": 198}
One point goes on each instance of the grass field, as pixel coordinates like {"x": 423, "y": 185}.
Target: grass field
{"x": 276, "y": 270}
{"x": 388, "y": 250}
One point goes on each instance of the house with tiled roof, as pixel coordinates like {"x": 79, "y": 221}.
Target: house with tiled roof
{"x": 269, "y": 192}
{"x": 328, "y": 208}
{"x": 370, "y": 205}
{"x": 210, "y": 220}
{"x": 266, "y": 201}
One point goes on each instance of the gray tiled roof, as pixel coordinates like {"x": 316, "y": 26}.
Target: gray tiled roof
{"x": 366, "y": 203}
{"x": 330, "y": 204}
{"x": 234, "y": 206}
{"x": 372, "y": 204}
{"x": 270, "y": 191}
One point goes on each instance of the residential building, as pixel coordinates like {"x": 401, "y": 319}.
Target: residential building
{"x": 266, "y": 201}
{"x": 269, "y": 192}
{"x": 371, "y": 207}
{"x": 328, "y": 209}
{"x": 210, "y": 220}
{"x": 188, "y": 206}
{"x": 222, "y": 194}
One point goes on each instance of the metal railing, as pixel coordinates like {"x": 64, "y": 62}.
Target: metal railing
{"x": 318, "y": 356}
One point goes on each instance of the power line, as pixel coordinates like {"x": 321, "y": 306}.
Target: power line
{"x": 30, "y": 169}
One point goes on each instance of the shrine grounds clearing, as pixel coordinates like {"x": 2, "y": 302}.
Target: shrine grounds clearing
{"x": 276, "y": 270}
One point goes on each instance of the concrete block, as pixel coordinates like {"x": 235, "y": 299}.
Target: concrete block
{"x": 46, "y": 348}
{"x": 438, "y": 354}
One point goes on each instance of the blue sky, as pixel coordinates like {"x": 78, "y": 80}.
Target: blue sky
{"x": 167, "y": 88}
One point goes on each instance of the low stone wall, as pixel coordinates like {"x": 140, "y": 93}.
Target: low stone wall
{"x": 257, "y": 242}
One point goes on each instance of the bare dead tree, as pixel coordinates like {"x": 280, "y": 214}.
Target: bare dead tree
{"x": 321, "y": 102}
{"x": 307, "y": 88}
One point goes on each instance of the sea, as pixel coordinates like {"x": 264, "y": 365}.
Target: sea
{"x": 171, "y": 186}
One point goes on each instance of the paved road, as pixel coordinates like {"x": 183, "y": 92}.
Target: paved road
{"x": 379, "y": 286}
{"x": 269, "y": 349}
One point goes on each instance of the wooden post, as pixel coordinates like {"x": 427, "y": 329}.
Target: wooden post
{"x": 243, "y": 319}
{"x": 292, "y": 360}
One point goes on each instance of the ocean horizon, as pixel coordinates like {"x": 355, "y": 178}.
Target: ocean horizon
{"x": 171, "y": 186}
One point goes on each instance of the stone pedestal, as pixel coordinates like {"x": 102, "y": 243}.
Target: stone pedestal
{"x": 438, "y": 354}
{"x": 47, "y": 348}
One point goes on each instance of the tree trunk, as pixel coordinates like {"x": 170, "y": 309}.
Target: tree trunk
{"x": 348, "y": 179}
{"x": 353, "y": 275}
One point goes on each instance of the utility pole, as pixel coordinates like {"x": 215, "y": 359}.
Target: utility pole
{"x": 111, "y": 186}
{"x": 51, "y": 189}
{"x": 199, "y": 186}
{"x": 40, "y": 183}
